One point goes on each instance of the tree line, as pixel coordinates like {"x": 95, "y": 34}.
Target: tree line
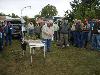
{"x": 10, "y": 15}
{"x": 81, "y": 9}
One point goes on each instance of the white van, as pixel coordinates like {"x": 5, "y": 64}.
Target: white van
{"x": 17, "y": 26}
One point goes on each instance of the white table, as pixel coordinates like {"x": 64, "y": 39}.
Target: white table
{"x": 35, "y": 43}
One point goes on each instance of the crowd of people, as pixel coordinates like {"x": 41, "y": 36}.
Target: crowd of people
{"x": 79, "y": 34}
{"x": 86, "y": 32}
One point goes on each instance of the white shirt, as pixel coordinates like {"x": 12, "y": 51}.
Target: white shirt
{"x": 56, "y": 27}
{"x": 46, "y": 31}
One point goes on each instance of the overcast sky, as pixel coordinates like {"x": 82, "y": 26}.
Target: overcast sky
{"x": 15, "y": 6}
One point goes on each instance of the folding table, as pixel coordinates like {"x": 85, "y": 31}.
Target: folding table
{"x": 35, "y": 43}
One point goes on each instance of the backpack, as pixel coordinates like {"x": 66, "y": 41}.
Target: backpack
{"x": 64, "y": 28}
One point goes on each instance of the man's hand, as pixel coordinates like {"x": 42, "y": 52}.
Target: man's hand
{"x": 49, "y": 34}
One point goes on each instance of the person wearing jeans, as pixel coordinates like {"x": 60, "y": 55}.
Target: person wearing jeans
{"x": 78, "y": 34}
{"x": 64, "y": 34}
{"x": 56, "y": 28}
{"x": 8, "y": 33}
{"x": 47, "y": 34}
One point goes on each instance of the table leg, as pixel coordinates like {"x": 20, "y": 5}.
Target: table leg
{"x": 30, "y": 50}
{"x": 31, "y": 58}
{"x": 44, "y": 51}
{"x": 31, "y": 54}
{"x": 33, "y": 50}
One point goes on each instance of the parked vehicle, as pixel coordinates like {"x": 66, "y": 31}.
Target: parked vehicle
{"x": 17, "y": 26}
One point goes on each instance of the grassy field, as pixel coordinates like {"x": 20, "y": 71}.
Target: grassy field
{"x": 69, "y": 61}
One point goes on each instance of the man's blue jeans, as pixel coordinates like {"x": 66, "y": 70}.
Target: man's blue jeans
{"x": 1, "y": 43}
{"x": 94, "y": 42}
{"x": 78, "y": 38}
{"x": 8, "y": 39}
{"x": 98, "y": 41}
{"x": 84, "y": 38}
{"x": 47, "y": 43}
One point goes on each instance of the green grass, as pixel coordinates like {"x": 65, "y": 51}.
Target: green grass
{"x": 69, "y": 61}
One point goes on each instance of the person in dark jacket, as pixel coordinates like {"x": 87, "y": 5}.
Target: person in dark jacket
{"x": 8, "y": 29}
{"x": 85, "y": 31}
{"x": 96, "y": 35}
{"x": 78, "y": 34}
{"x": 64, "y": 34}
